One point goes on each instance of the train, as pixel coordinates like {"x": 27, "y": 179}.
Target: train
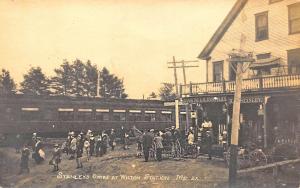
{"x": 59, "y": 114}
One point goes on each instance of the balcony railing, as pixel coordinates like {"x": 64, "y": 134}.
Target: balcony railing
{"x": 253, "y": 84}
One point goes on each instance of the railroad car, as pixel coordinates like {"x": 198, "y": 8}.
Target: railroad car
{"x": 21, "y": 113}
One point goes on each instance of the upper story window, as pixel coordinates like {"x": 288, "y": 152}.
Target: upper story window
{"x": 294, "y": 18}
{"x": 294, "y": 61}
{"x": 218, "y": 71}
{"x": 261, "y": 26}
{"x": 274, "y": 1}
{"x": 263, "y": 56}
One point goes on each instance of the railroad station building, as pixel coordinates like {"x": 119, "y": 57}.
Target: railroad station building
{"x": 270, "y": 103}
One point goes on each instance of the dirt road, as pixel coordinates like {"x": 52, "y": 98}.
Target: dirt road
{"x": 121, "y": 168}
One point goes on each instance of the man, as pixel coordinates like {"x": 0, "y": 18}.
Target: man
{"x": 56, "y": 157}
{"x": 18, "y": 143}
{"x": 147, "y": 143}
{"x": 92, "y": 145}
{"x": 104, "y": 143}
{"x": 73, "y": 147}
{"x": 112, "y": 138}
{"x": 24, "y": 159}
{"x": 38, "y": 154}
{"x": 159, "y": 146}
{"x": 79, "y": 151}
{"x": 98, "y": 144}
{"x": 209, "y": 142}
{"x": 122, "y": 136}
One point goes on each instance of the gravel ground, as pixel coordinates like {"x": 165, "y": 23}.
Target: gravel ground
{"x": 121, "y": 168}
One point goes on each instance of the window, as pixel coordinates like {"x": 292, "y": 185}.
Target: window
{"x": 166, "y": 116}
{"x": 294, "y": 18}
{"x": 135, "y": 115}
{"x": 150, "y": 116}
{"x": 29, "y": 114}
{"x": 85, "y": 114}
{"x": 263, "y": 56}
{"x": 66, "y": 114}
{"x": 261, "y": 26}
{"x": 218, "y": 71}
{"x": 294, "y": 61}
{"x": 232, "y": 69}
{"x": 119, "y": 116}
{"x": 182, "y": 116}
{"x": 102, "y": 114}
{"x": 274, "y": 1}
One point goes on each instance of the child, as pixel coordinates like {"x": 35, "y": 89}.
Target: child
{"x": 56, "y": 158}
{"x": 24, "y": 159}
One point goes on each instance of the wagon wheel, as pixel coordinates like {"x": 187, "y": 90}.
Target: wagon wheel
{"x": 194, "y": 152}
{"x": 240, "y": 159}
{"x": 153, "y": 151}
{"x": 257, "y": 158}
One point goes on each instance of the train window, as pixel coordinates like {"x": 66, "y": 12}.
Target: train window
{"x": 102, "y": 114}
{"x": 135, "y": 115}
{"x": 48, "y": 114}
{"x": 119, "y": 115}
{"x": 66, "y": 114}
{"x": 29, "y": 114}
{"x": 150, "y": 116}
{"x": 85, "y": 114}
{"x": 166, "y": 116}
{"x": 182, "y": 116}
{"x": 8, "y": 114}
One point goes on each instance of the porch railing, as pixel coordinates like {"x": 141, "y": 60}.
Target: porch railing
{"x": 253, "y": 84}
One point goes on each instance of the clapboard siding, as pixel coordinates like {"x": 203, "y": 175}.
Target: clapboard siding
{"x": 279, "y": 39}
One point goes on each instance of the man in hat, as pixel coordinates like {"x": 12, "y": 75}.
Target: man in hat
{"x": 38, "y": 154}
{"x": 92, "y": 145}
{"x": 79, "y": 151}
{"x": 72, "y": 147}
{"x": 147, "y": 144}
{"x": 24, "y": 159}
{"x": 56, "y": 157}
{"x": 112, "y": 138}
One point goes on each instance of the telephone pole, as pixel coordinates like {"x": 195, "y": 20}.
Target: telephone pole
{"x": 238, "y": 58}
{"x": 182, "y": 65}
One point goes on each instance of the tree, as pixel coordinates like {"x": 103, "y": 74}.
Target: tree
{"x": 91, "y": 79}
{"x": 7, "y": 84}
{"x": 35, "y": 82}
{"x": 78, "y": 78}
{"x": 62, "y": 82}
{"x": 152, "y": 95}
{"x": 166, "y": 92}
{"x": 111, "y": 86}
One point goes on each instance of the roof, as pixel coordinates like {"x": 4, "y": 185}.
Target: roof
{"x": 234, "y": 12}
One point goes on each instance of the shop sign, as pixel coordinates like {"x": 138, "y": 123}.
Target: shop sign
{"x": 223, "y": 99}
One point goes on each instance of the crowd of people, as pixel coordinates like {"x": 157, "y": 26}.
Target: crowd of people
{"x": 90, "y": 144}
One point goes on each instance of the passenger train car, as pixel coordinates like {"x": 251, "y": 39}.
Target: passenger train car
{"x": 60, "y": 114}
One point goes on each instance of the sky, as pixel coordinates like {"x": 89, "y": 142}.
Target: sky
{"x": 133, "y": 39}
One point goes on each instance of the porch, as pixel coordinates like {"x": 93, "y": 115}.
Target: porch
{"x": 267, "y": 83}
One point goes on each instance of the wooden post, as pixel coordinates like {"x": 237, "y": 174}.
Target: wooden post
{"x": 177, "y": 114}
{"x": 235, "y": 125}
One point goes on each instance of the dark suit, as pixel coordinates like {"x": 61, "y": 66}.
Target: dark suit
{"x": 147, "y": 144}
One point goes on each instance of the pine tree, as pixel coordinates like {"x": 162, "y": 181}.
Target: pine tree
{"x": 35, "y": 82}
{"x": 7, "y": 84}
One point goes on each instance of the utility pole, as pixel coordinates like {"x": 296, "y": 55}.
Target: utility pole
{"x": 182, "y": 66}
{"x": 98, "y": 84}
{"x": 238, "y": 58}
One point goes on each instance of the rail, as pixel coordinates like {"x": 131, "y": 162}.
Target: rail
{"x": 253, "y": 84}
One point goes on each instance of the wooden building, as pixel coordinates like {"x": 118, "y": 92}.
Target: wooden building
{"x": 270, "y": 103}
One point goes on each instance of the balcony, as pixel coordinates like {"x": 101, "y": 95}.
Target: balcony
{"x": 269, "y": 83}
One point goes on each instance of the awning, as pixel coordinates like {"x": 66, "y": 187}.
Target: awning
{"x": 265, "y": 63}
